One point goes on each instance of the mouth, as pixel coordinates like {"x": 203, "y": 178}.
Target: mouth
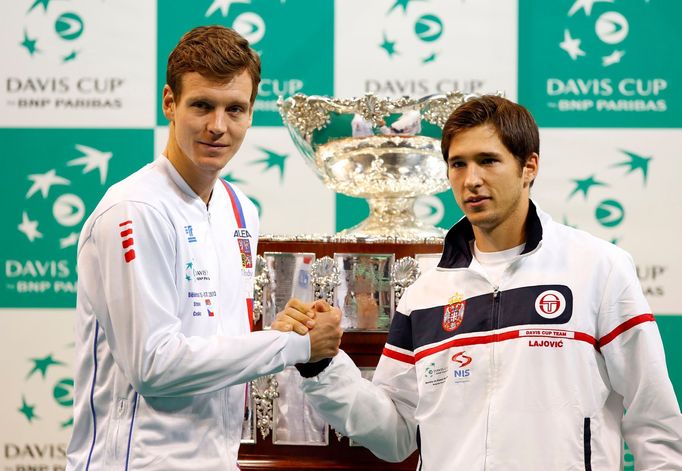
{"x": 213, "y": 145}
{"x": 475, "y": 201}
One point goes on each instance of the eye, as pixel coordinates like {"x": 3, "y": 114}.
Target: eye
{"x": 489, "y": 161}
{"x": 456, "y": 164}
{"x": 236, "y": 109}
{"x": 201, "y": 105}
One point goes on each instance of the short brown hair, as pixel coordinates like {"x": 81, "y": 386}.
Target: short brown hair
{"x": 215, "y": 52}
{"x": 513, "y": 123}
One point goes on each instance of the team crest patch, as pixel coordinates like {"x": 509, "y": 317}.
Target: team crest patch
{"x": 245, "y": 251}
{"x": 453, "y": 313}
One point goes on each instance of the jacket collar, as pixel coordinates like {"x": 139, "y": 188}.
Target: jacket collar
{"x": 457, "y": 249}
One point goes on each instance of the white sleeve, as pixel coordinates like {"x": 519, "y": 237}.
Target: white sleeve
{"x": 380, "y": 415}
{"x": 635, "y": 361}
{"x": 141, "y": 324}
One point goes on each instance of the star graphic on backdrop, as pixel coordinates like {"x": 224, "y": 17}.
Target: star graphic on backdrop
{"x": 431, "y": 58}
{"x": 30, "y": 228}
{"x": 273, "y": 159}
{"x": 584, "y": 185}
{"x": 615, "y": 240}
{"x": 29, "y": 44}
{"x": 70, "y": 57}
{"x": 70, "y": 240}
{"x": 400, "y": 3}
{"x": 636, "y": 162}
{"x": 44, "y": 3}
{"x": 584, "y": 5}
{"x": 571, "y": 45}
{"x": 189, "y": 265}
{"x": 612, "y": 58}
{"x": 92, "y": 159}
{"x": 388, "y": 46}
{"x": 43, "y": 182}
{"x": 42, "y": 364}
{"x": 231, "y": 178}
{"x": 27, "y": 410}
{"x": 67, "y": 423}
{"x": 223, "y": 6}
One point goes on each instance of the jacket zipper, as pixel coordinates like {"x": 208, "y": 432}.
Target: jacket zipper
{"x": 495, "y": 314}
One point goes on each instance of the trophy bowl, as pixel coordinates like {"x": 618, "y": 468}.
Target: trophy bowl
{"x": 386, "y": 150}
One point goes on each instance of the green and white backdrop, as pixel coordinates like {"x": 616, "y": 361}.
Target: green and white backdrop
{"x": 79, "y": 110}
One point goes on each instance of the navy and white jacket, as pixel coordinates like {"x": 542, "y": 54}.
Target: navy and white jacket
{"x": 163, "y": 342}
{"x": 533, "y": 374}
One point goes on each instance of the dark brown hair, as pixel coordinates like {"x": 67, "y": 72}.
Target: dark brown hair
{"x": 215, "y": 52}
{"x": 513, "y": 123}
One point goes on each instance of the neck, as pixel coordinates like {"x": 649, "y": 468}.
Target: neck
{"x": 509, "y": 233}
{"x": 199, "y": 181}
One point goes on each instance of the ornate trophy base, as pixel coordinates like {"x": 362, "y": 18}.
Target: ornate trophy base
{"x": 396, "y": 214}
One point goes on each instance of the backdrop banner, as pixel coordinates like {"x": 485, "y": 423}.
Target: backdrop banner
{"x": 80, "y": 109}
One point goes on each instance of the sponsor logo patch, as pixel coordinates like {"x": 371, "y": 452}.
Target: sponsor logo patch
{"x": 191, "y": 238}
{"x": 461, "y": 373}
{"x": 550, "y": 304}
{"x": 435, "y": 375}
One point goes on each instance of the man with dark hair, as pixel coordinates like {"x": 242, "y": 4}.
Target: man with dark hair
{"x": 524, "y": 347}
{"x": 164, "y": 313}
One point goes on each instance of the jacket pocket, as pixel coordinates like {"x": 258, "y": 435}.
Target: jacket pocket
{"x": 113, "y": 443}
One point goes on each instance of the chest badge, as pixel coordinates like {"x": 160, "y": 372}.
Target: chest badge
{"x": 550, "y": 304}
{"x": 453, "y": 313}
{"x": 245, "y": 252}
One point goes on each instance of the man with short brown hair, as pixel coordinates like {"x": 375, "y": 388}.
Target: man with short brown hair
{"x": 522, "y": 350}
{"x": 164, "y": 313}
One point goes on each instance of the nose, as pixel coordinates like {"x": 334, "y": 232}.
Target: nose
{"x": 472, "y": 177}
{"x": 217, "y": 123}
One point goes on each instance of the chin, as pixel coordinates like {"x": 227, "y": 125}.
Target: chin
{"x": 483, "y": 221}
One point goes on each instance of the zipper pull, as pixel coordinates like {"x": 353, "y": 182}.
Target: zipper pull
{"x": 496, "y": 291}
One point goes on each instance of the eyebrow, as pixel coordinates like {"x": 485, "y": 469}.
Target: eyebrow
{"x": 193, "y": 99}
{"x": 480, "y": 155}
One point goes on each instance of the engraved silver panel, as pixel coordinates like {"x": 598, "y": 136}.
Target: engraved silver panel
{"x": 289, "y": 278}
{"x": 364, "y": 294}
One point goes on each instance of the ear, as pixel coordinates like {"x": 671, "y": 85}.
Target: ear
{"x": 531, "y": 168}
{"x": 168, "y": 103}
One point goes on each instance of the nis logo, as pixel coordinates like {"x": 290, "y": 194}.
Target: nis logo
{"x": 462, "y": 360}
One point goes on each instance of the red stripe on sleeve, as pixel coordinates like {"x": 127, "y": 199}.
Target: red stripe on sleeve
{"x": 398, "y": 356}
{"x": 625, "y": 326}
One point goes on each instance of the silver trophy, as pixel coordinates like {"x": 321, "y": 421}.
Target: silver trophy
{"x": 382, "y": 149}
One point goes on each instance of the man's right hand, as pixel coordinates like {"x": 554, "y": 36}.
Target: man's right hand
{"x": 325, "y": 338}
{"x": 297, "y": 316}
